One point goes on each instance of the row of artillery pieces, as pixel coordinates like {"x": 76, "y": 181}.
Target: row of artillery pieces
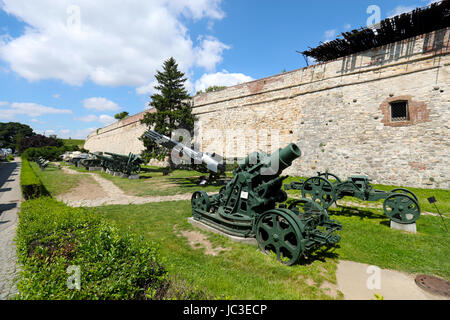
{"x": 254, "y": 205}
{"x": 123, "y": 165}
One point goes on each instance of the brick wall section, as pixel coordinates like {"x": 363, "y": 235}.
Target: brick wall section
{"x": 337, "y": 112}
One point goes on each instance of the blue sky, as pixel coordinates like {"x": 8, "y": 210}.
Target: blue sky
{"x": 67, "y": 66}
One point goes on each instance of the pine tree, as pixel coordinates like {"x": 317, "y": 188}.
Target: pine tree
{"x": 173, "y": 109}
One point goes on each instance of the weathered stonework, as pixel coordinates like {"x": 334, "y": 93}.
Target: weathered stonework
{"x": 337, "y": 112}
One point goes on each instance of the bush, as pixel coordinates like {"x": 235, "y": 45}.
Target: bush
{"x": 52, "y": 236}
{"x": 48, "y": 153}
{"x": 30, "y": 184}
{"x": 9, "y": 157}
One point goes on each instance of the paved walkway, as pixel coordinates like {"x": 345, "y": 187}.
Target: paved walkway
{"x": 10, "y": 199}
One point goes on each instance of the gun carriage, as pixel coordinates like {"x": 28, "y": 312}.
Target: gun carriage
{"x": 130, "y": 164}
{"x": 400, "y": 205}
{"x": 247, "y": 207}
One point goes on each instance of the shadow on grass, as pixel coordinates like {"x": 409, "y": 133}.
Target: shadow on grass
{"x": 319, "y": 255}
{"x": 352, "y": 212}
{"x": 195, "y": 181}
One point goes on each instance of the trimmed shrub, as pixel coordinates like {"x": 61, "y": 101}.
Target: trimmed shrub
{"x": 51, "y": 237}
{"x": 48, "y": 153}
{"x": 30, "y": 184}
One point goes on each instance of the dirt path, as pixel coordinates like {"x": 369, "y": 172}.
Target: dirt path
{"x": 105, "y": 192}
{"x": 358, "y": 281}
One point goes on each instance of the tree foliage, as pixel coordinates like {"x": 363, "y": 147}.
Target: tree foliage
{"x": 172, "y": 109}
{"x": 121, "y": 115}
{"x": 211, "y": 89}
{"x": 11, "y": 134}
{"x": 38, "y": 141}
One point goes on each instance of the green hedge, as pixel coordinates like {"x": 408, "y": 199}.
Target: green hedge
{"x": 30, "y": 184}
{"x": 51, "y": 237}
{"x": 48, "y": 153}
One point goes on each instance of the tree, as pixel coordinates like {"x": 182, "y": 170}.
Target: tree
{"x": 12, "y": 133}
{"x": 211, "y": 89}
{"x": 121, "y": 116}
{"x": 38, "y": 141}
{"x": 173, "y": 109}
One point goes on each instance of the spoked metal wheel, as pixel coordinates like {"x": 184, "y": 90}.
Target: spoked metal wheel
{"x": 327, "y": 176}
{"x": 278, "y": 232}
{"x": 200, "y": 201}
{"x": 319, "y": 190}
{"x": 401, "y": 208}
{"x": 405, "y": 191}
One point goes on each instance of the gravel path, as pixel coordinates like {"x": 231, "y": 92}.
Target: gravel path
{"x": 10, "y": 199}
{"x": 111, "y": 194}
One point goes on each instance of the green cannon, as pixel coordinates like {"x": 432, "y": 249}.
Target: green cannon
{"x": 247, "y": 207}
{"x": 400, "y": 205}
{"x": 42, "y": 163}
{"x": 130, "y": 164}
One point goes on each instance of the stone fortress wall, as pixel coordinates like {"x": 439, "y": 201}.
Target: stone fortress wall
{"x": 338, "y": 112}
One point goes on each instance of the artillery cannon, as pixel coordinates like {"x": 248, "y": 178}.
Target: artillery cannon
{"x": 246, "y": 207}
{"x": 199, "y": 161}
{"x": 400, "y": 205}
{"x": 130, "y": 164}
{"x": 42, "y": 163}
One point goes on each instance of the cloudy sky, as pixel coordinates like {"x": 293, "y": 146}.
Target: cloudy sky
{"x": 67, "y": 66}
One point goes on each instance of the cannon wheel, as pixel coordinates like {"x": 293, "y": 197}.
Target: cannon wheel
{"x": 401, "y": 208}
{"x": 200, "y": 201}
{"x": 319, "y": 190}
{"x": 405, "y": 191}
{"x": 326, "y": 175}
{"x": 277, "y": 232}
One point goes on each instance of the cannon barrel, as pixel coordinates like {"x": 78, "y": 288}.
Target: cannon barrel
{"x": 273, "y": 164}
{"x": 285, "y": 156}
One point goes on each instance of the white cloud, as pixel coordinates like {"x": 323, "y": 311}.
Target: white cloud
{"x": 100, "y": 104}
{"x": 56, "y": 96}
{"x": 347, "y": 26}
{"x": 399, "y": 10}
{"x": 3, "y": 103}
{"x": 209, "y": 54}
{"x": 106, "y": 120}
{"x": 223, "y": 78}
{"x": 330, "y": 35}
{"x": 88, "y": 118}
{"x": 31, "y": 110}
{"x": 112, "y": 43}
{"x": 80, "y": 133}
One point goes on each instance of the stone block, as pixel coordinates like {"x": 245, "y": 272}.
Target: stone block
{"x": 124, "y": 175}
{"x": 95, "y": 168}
{"x": 404, "y": 227}
{"x": 133, "y": 177}
{"x": 201, "y": 225}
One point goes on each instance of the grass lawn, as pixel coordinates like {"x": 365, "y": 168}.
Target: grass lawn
{"x": 242, "y": 271}
{"x": 56, "y": 181}
{"x": 73, "y": 142}
{"x": 152, "y": 182}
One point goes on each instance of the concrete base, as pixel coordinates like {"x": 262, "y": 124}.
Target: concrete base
{"x": 95, "y": 168}
{"x": 201, "y": 225}
{"x": 133, "y": 177}
{"x": 404, "y": 227}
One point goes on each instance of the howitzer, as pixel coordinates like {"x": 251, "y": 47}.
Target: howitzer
{"x": 400, "y": 205}
{"x": 203, "y": 162}
{"x": 130, "y": 164}
{"x": 246, "y": 207}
